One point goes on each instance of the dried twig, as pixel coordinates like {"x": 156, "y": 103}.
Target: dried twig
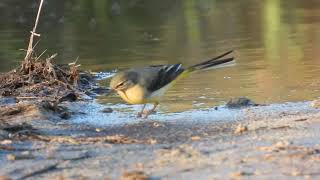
{"x": 33, "y": 33}
{"x": 50, "y": 67}
{"x": 40, "y": 55}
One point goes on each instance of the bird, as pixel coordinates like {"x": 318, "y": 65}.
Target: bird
{"x": 148, "y": 84}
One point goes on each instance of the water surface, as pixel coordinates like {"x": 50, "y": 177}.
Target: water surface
{"x": 276, "y": 43}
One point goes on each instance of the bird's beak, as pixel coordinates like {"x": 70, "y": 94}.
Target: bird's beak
{"x": 111, "y": 91}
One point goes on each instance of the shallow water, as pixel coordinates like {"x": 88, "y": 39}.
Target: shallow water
{"x": 126, "y": 114}
{"x": 276, "y": 43}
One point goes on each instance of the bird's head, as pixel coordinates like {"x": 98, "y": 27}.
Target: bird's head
{"x": 123, "y": 80}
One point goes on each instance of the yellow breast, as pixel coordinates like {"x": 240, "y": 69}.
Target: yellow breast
{"x": 134, "y": 95}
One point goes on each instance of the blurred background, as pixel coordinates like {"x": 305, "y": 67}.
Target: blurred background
{"x": 276, "y": 43}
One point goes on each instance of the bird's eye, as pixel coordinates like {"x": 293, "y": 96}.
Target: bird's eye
{"x": 120, "y": 84}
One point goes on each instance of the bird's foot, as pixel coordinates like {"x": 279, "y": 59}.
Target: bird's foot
{"x": 145, "y": 113}
{"x": 139, "y": 115}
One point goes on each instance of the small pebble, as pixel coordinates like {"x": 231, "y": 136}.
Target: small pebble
{"x": 156, "y": 124}
{"x": 11, "y": 157}
{"x": 195, "y": 138}
{"x": 65, "y": 115}
{"x": 26, "y": 153}
{"x": 241, "y": 173}
{"x": 296, "y": 173}
{"x": 152, "y": 141}
{"x": 71, "y": 97}
{"x": 241, "y": 129}
{"x": 107, "y": 110}
{"x": 5, "y": 142}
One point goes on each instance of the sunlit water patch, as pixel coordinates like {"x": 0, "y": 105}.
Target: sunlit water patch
{"x": 103, "y": 75}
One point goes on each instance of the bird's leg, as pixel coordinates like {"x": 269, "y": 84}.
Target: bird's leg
{"x": 151, "y": 110}
{"x": 145, "y": 113}
{"x": 142, "y": 111}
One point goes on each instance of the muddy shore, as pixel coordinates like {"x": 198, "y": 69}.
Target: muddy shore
{"x": 263, "y": 143}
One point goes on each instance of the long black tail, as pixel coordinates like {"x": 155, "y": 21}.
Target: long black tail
{"x": 212, "y": 62}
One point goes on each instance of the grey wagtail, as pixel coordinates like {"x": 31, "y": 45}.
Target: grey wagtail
{"x": 148, "y": 84}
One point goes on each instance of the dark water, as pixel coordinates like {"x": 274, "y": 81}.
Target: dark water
{"x": 276, "y": 43}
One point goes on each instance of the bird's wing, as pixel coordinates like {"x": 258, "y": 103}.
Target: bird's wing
{"x": 163, "y": 75}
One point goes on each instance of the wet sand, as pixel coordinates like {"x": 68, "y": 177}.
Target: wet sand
{"x": 267, "y": 142}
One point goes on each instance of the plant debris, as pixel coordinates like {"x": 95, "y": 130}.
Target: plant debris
{"x": 44, "y": 80}
{"x": 240, "y": 102}
{"x": 114, "y": 139}
{"x": 134, "y": 175}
